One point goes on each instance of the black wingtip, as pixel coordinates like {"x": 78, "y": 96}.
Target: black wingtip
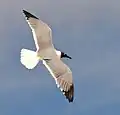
{"x": 70, "y": 94}
{"x": 29, "y": 15}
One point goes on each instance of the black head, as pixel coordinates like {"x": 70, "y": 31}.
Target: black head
{"x": 63, "y": 55}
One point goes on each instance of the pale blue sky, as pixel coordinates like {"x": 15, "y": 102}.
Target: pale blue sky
{"x": 89, "y": 31}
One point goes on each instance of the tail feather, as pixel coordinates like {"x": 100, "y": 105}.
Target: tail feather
{"x": 29, "y": 58}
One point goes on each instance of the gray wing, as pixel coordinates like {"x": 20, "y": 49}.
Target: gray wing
{"x": 62, "y": 75}
{"x": 41, "y": 32}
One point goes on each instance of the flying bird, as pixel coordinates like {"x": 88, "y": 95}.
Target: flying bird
{"x": 50, "y": 57}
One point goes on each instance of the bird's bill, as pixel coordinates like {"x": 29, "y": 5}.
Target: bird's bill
{"x": 66, "y": 56}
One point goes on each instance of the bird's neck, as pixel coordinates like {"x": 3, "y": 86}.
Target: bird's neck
{"x": 58, "y": 53}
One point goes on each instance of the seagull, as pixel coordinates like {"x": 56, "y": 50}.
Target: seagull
{"x": 50, "y": 57}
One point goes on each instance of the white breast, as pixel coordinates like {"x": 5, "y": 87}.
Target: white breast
{"x": 58, "y": 53}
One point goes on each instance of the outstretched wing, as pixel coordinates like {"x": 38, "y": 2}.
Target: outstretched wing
{"x": 41, "y": 32}
{"x": 62, "y": 75}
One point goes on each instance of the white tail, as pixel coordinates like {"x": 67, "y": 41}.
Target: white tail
{"x": 29, "y": 58}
